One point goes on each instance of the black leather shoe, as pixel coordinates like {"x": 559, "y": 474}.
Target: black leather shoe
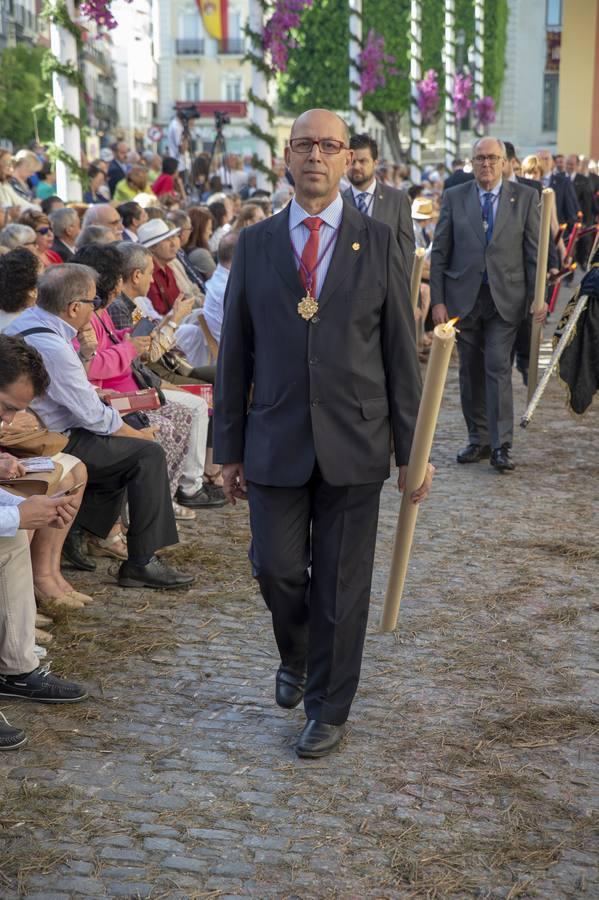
{"x": 42, "y": 686}
{"x": 156, "y": 574}
{"x": 73, "y": 551}
{"x": 202, "y": 499}
{"x": 473, "y": 453}
{"x": 318, "y": 739}
{"x": 500, "y": 459}
{"x": 290, "y": 688}
{"x": 11, "y": 738}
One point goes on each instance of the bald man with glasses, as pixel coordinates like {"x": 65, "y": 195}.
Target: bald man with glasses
{"x": 483, "y": 266}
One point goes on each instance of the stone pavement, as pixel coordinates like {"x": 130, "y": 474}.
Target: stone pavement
{"x": 468, "y": 768}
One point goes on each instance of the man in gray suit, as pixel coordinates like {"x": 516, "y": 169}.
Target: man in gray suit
{"x": 381, "y": 202}
{"x": 483, "y": 266}
{"x": 307, "y": 396}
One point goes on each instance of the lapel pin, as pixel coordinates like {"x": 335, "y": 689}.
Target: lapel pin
{"x": 512, "y": 199}
{"x": 355, "y": 246}
{"x": 380, "y": 196}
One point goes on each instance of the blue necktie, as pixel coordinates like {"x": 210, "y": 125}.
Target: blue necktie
{"x": 488, "y": 215}
{"x": 361, "y": 202}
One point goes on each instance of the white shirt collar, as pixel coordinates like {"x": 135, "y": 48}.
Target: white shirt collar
{"x": 369, "y": 190}
{"x": 495, "y": 191}
{"x": 331, "y": 215}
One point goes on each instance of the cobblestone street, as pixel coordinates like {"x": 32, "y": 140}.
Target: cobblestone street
{"x": 468, "y": 767}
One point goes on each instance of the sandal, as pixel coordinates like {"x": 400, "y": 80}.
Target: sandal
{"x": 66, "y": 600}
{"x": 108, "y": 546}
{"x": 183, "y": 513}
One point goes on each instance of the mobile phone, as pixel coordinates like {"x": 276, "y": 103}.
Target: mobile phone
{"x": 71, "y": 490}
{"x": 143, "y": 328}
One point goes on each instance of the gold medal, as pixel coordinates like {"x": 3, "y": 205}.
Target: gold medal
{"x": 307, "y": 307}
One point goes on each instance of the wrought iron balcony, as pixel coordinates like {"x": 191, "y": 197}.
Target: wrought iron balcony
{"x": 189, "y": 46}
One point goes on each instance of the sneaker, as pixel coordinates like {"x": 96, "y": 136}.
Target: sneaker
{"x": 10, "y": 738}
{"x": 40, "y": 685}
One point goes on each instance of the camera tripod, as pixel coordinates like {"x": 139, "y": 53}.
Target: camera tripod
{"x": 219, "y": 150}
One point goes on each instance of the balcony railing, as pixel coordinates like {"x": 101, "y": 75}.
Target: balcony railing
{"x": 189, "y": 47}
{"x": 232, "y": 46}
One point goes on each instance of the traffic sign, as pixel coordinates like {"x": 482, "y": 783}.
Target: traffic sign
{"x": 155, "y": 133}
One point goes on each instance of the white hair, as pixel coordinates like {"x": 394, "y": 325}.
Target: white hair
{"x": 489, "y": 138}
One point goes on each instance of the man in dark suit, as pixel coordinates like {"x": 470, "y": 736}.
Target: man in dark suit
{"x": 381, "y": 202}
{"x": 566, "y": 204}
{"x": 584, "y": 196}
{"x": 118, "y": 168}
{"x": 458, "y": 176}
{"x": 483, "y": 266}
{"x": 66, "y": 226}
{"x": 333, "y": 378}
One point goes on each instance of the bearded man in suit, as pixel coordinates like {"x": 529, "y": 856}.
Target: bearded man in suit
{"x": 381, "y": 202}
{"x": 318, "y": 322}
{"x": 483, "y": 266}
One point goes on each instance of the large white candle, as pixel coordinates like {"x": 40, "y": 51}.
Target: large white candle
{"x": 547, "y": 201}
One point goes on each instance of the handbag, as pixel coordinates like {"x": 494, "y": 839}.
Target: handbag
{"x": 175, "y": 361}
{"x": 34, "y": 442}
{"x": 34, "y": 483}
{"x": 133, "y": 401}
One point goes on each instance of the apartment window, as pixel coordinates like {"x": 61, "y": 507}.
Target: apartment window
{"x": 192, "y": 89}
{"x": 550, "y": 101}
{"x": 553, "y": 14}
{"x": 233, "y": 89}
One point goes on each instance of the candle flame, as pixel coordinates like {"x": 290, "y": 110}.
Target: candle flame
{"x": 451, "y": 323}
{"x": 574, "y": 265}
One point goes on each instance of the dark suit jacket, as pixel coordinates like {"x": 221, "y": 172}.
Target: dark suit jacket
{"x": 393, "y": 208}
{"x": 552, "y": 256}
{"x": 65, "y": 253}
{"x": 566, "y": 204}
{"x": 460, "y": 252}
{"x": 326, "y": 391}
{"x": 457, "y": 177}
{"x": 584, "y": 195}
{"x": 115, "y": 173}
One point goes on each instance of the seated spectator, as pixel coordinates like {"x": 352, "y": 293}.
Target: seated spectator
{"x": 249, "y": 214}
{"x": 154, "y": 165}
{"x": 182, "y": 422}
{"x": 105, "y": 215}
{"x": 159, "y": 238}
{"x": 9, "y": 198}
{"x": 132, "y": 215}
{"x": 44, "y": 236}
{"x": 25, "y": 164}
{"x": 197, "y": 247}
{"x": 222, "y": 216}
{"x": 166, "y": 184}
{"x": 22, "y": 378}
{"x": 189, "y": 280}
{"x": 66, "y": 226}
{"x": 97, "y": 191}
{"x": 19, "y": 271}
{"x": 52, "y": 203}
{"x": 135, "y": 182}
{"x": 46, "y": 186}
{"x": 120, "y": 460}
{"x": 16, "y": 235}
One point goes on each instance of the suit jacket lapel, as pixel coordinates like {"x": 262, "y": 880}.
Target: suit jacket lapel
{"x": 473, "y": 212}
{"x": 379, "y": 203}
{"x": 506, "y": 200}
{"x": 280, "y": 251}
{"x": 344, "y": 256}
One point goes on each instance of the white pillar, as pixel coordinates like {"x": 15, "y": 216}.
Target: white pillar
{"x": 257, "y": 114}
{"x": 355, "y": 48}
{"x": 66, "y": 97}
{"x": 479, "y": 49}
{"x": 415, "y": 77}
{"x": 451, "y": 148}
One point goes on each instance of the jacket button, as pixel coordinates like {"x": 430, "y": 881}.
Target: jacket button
{"x": 316, "y": 402}
{"x": 315, "y": 320}
{"x": 314, "y": 360}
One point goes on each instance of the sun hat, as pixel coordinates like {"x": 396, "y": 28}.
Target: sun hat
{"x": 154, "y": 231}
{"x": 422, "y": 208}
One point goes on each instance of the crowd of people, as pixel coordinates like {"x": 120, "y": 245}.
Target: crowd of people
{"x": 124, "y": 293}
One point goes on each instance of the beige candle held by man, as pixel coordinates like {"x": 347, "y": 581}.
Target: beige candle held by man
{"x": 547, "y": 201}
{"x": 436, "y": 374}
{"x": 417, "y": 267}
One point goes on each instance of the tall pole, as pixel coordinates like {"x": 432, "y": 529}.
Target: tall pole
{"x": 258, "y": 114}
{"x": 355, "y": 48}
{"x": 451, "y": 143}
{"x": 66, "y": 97}
{"x": 479, "y": 49}
{"x": 415, "y": 77}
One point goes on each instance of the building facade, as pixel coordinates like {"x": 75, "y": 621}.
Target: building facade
{"x": 20, "y": 23}
{"x": 135, "y": 70}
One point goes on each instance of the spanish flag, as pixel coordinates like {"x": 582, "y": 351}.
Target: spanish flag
{"x": 214, "y": 15}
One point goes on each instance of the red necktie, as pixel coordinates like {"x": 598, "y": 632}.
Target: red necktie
{"x": 310, "y": 254}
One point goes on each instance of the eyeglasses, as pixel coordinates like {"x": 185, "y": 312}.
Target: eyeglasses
{"x": 491, "y": 159}
{"x": 97, "y": 301}
{"x": 115, "y": 222}
{"x": 329, "y": 146}
{"x": 45, "y": 229}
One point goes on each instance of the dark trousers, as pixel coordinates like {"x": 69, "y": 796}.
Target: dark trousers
{"x": 116, "y": 465}
{"x": 485, "y": 342}
{"x": 319, "y": 615}
{"x": 521, "y": 348}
